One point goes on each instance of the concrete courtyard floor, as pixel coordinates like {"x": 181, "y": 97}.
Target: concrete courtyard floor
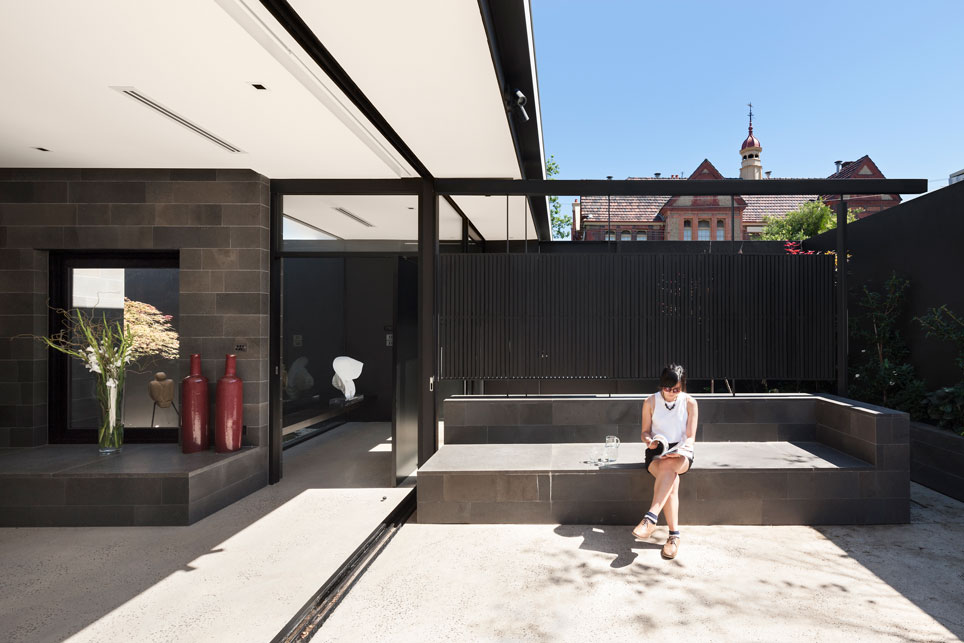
{"x": 578, "y": 583}
{"x": 238, "y": 575}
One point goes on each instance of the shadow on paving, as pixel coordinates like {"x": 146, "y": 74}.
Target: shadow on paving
{"x": 58, "y": 581}
{"x": 924, "y": 560}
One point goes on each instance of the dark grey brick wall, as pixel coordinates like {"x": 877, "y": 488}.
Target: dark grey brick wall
{"x": 217, "y": 219}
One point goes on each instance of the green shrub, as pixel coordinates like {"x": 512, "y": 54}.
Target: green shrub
{"x": 880, "y": 372}
{"x": 946, "y": 405}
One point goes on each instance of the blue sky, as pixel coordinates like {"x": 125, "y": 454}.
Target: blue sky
{"x": 633, "y": 88}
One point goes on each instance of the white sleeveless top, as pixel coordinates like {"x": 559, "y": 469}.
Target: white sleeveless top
{"x": 670, "y": 422}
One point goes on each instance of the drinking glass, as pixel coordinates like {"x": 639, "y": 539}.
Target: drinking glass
{"x": 612, "y": 448}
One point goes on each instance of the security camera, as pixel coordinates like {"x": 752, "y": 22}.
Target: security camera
{"x": 520, "y": 100}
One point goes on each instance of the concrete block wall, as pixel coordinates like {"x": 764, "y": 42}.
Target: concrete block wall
{"x": 216, "y": 219}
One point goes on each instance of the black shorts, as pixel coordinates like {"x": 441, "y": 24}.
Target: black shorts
{"x": 651, "y": 455}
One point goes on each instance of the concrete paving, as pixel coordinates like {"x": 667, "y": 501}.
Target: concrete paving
{"x": 576, "y": 583}
{"x": 238, "y": 575}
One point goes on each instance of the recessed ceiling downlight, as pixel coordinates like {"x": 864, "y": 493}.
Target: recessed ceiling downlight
{"x": 354, "y": 216}
{"x": 180, "y": 120}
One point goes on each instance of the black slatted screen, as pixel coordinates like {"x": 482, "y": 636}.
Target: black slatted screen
{"x": 624, "y": 316}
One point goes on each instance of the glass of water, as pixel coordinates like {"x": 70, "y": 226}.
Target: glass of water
{"x": 612, "y": 448}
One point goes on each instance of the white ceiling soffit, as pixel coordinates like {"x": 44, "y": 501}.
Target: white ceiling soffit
{"x": 390, "y": 217}
{"x": 427, "y": 68}
{"x": 488, "y": 213}
{"x": 196, "y": 59}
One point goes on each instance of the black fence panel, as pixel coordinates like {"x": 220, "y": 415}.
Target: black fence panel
{"x": 622, "y": 316}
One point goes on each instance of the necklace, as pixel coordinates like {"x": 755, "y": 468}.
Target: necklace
{"x": 669, "y": 407}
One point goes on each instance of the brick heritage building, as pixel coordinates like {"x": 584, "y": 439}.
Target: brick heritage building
{"x": 710, "y": 218}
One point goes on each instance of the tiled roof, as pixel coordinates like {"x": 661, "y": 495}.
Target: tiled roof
{"x": 848, "y": 171}
{"x": 625, "y": 209}
{"x": 645, "y": 209}
{"x": 760, "y": 205}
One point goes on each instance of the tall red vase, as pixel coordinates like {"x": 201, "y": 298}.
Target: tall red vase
{"x": 229, "y": 408}
{"x": 194, "y": 409}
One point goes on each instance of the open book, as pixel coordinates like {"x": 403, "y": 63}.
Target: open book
{"x": 664, "y": 449}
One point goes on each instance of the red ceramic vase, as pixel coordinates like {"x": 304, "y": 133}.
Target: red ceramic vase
{"x": 194, "y": 409}
{"x": 229, "y": 408}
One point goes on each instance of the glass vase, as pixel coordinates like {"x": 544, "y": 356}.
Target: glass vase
{"x": 110, "y": 436}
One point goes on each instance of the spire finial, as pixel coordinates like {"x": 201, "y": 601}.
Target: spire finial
{"x": 750, "y": 105}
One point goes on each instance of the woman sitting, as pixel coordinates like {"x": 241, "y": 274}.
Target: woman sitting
{"x": 672, "y": 414}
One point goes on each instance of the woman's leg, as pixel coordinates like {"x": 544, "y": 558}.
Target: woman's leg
{"x": 671, "y": 510}
{"x": 666, "y": 471}
{"x": 666, "y": 477}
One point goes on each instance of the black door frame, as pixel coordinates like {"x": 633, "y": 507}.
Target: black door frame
{"x": 428, "y": 248}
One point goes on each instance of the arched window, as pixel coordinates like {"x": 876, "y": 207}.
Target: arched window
{"x": 641, "y": 235}
{"x": 704, "y": 231}
{"x": 610, "y": 235}
{"x": 626, "y": 236}
{"x": 687, "y": 231}
{"x": 720, "y": 231}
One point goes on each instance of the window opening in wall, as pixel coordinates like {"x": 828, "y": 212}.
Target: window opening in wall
{"x": 703, "y": 233}
{"x": 720, "y": 231}
{"x": 687, "y": 231}
{"x": 641, "y": 235}
{"x": 610, "y": 235}
{"x": 626, "y": 236}
{"x": 144, "y": 291}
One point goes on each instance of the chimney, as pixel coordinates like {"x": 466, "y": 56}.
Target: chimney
{"x": 838, "y": 164}
{"x": 576, "y": 216}
{"x": 768, "y": 173}
{"x": 656, "y": 175}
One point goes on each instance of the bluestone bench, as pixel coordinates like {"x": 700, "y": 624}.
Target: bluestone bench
{"x": 760, "y": 459}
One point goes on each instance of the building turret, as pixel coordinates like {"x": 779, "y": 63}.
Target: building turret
{"x": 751, "y": 167}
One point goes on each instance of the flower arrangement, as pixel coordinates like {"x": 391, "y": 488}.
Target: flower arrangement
{"x": 110, "y": 348}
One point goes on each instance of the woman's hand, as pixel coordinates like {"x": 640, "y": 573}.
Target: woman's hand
{"x": 649, "y": 442}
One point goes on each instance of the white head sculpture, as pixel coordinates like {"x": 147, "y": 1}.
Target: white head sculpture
{"x": 347, "y": 370}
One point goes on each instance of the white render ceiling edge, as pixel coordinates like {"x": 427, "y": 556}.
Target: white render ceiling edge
{"x": 195, "y": 59}
{"x": 188, "y": 56}
{"x": 276, "y": 41}
{"x": 427, "y": 67}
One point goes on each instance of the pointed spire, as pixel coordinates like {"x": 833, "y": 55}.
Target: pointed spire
{"x": 751, "y": 140}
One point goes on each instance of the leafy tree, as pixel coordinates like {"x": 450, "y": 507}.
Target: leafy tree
{"x": 809, "y": 220}
{"x": 561, "y": 223}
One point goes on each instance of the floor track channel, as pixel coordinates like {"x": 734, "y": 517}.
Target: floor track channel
{"x": 316, "y": 611}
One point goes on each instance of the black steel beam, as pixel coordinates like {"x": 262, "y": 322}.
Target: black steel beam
{"x": 347, "y": 186}
{"x": 529, "y": 187}
{"x": 842, "y": 331}
{"x": 306, "y": 38}
{"x": 427, "y": 324}
{"x": 274, "y": 341}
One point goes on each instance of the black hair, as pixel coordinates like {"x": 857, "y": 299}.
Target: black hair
{"x": 672, "y": 375}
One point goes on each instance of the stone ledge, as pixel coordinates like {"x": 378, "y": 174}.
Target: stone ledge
{"x": 147, "y": 484}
